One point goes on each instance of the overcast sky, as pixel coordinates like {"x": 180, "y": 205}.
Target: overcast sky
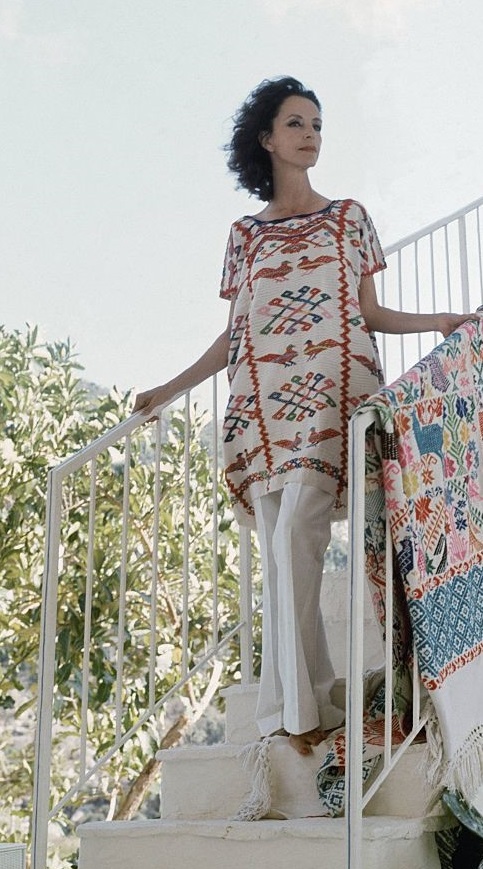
{"x": 115, "y": 199}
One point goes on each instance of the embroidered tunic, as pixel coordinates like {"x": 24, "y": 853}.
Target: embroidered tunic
{"x": 301, "y": 357}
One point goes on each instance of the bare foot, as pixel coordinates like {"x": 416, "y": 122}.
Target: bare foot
{"x": 304, "y": 742}
{"x": 280, "y": 732}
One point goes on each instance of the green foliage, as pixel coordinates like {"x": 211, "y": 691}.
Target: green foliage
{"x": 47, "y": 413}
{"x": 43, "y": 407}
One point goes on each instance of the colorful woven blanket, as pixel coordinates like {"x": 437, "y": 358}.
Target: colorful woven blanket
{"x": 431, "y": 422}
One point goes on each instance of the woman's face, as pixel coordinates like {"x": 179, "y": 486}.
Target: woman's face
{"x": 296, "y": 135}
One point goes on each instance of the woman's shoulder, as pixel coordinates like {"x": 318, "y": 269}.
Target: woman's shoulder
{"x": 240, "y": 238}
{"x": 354, "y": 206}
{"x": 243, "y": 224}
{"x": 356, "y": 213}
{"x": 243, "y": 230}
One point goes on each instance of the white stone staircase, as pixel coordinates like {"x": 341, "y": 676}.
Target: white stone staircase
{"x": 203, "y": 787}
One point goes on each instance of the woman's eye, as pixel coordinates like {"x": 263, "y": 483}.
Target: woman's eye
{"x": 294, "y": 124}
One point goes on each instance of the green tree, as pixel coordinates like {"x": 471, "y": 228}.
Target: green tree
{"x": 46, "y": 413}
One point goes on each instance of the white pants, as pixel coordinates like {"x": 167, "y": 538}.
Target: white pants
{"x": 297, "y": 676}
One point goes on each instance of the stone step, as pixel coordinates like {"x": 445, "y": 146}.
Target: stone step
{"x": 212, "y": 782}
{"x": 388, "y": 843}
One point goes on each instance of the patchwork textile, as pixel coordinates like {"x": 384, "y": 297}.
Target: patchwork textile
{"x": 431, "y": 422}
{"x": 301, "y": 357}
{"x": 331, "y": 775}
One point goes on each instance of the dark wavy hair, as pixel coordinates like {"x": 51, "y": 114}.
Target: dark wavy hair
{"x": 249, "y": 161}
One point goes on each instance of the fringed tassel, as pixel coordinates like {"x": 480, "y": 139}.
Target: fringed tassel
{"x": 464, "y": 772}
{"x": 435, "y": 763}
{"x": 259, "y": 801}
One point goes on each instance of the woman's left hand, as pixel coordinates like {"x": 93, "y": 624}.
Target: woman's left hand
{"x": 447, "y": 323}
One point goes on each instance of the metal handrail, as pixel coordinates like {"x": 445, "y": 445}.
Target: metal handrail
{"x": 440, "y": 267}
{"x": 356, "y": 799}
{"x": 433, "y": 227}
{"x": 42, "y": 813}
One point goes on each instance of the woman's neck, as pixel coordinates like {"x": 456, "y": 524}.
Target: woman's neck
{"x": 293, "y": 198}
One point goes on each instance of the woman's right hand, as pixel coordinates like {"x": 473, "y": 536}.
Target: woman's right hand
{"x": 148, "y": 401}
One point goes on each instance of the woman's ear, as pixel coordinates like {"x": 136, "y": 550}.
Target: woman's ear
{"x": 264, "y": 139}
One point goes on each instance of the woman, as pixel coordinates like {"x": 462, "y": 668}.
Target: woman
{"x": 300, "y": 355}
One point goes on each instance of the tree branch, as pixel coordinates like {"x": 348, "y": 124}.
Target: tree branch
{"x": 146, "y": 778}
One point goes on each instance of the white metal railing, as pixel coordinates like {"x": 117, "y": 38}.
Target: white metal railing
{"x": 221, "y": 634}
{"x": 356, "y": 801}
{"x": 438, "y": 268}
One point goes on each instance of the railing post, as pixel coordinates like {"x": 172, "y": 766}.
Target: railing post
{"x": 246, "y": 618}
{"x": 45, "y": 687}
{"x": 465, "y": 284}
{"x": 215, "y": 484}
{"x": 186, "y": 536}
{"x": 355, "y": 621}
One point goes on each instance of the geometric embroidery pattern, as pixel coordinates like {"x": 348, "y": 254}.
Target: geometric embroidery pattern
{"x": 301, "y": 358}
{"x": 331, "y": 775}
{"x": 302, "y": 397}
{"x": 436, "y": 500}
{"x": 293, "y": 311}
{"x": 448, "y": 622}
{"x": 432, "y": 481}
{"x": 239, "y": 413}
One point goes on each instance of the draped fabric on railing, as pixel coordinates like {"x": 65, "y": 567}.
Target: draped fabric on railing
{"x": 431, "y": 422}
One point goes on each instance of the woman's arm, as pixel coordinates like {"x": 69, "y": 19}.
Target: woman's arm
{"x": 380, "y": 319}
{"x": 213, "y": 360}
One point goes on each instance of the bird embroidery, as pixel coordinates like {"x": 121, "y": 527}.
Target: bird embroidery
{"x": 309, "y": 264}
{"x": 316, "y": 437}
{"x": 251, "y": 455}
{"x": 312, "y": 350}
{"x": 294, "y": 445}
{"x": 366, "y": 362}
{"x": 243, "y": 460}
{"x": 278, "y": 274}
{"x": 294, "y": 247}
{"x": 238, "y": 465}
{"x": 285, "y": 359}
